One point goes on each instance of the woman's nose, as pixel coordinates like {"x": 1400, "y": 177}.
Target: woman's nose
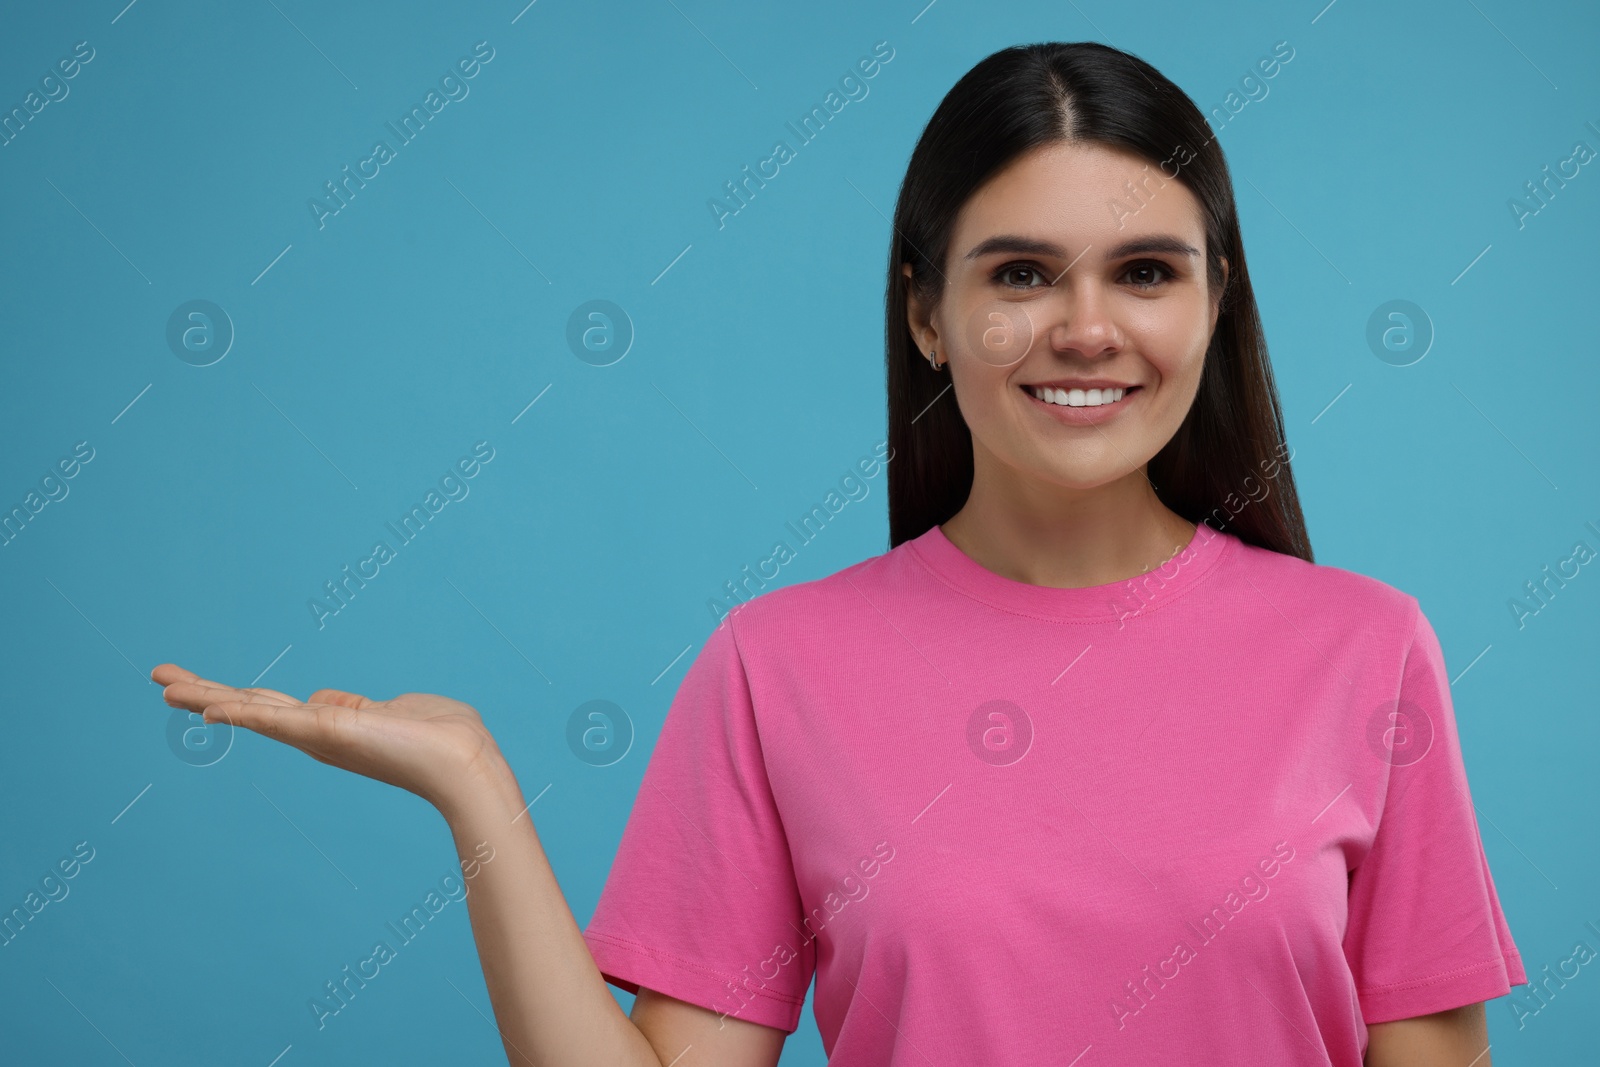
{"x": 1078, "y": 318}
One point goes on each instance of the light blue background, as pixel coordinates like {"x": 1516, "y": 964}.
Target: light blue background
{"x": 433, "y": 309}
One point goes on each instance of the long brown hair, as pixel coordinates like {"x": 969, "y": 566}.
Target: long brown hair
{"x": 1018, "y": 99}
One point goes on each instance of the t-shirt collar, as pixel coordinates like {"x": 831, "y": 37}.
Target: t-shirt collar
{"x": 1124, "y": 599}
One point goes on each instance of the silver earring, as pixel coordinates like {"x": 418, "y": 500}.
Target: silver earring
{"x": 933, "y": 359}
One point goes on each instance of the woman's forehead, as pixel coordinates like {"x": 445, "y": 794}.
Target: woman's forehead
{"x": 1073, "y": 194}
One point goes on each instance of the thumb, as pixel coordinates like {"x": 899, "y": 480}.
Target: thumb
{"x": 342, "y": 698}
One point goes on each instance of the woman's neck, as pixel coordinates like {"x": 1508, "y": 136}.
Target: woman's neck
{"x": 1068, "y": 539}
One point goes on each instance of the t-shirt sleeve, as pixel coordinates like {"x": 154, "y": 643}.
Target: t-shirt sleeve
{"x": 1426, "y": 932}
{"x": 701, "y": 903}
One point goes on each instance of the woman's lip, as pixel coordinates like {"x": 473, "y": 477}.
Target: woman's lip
{"x": 1077, "y": 385}
{"x": 1083, "y": 416}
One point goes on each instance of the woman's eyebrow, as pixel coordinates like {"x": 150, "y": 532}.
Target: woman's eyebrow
{"x": 1014, "y": 243}
{"x": 1158, "y": 242}
{"x": 1008, "y": 242}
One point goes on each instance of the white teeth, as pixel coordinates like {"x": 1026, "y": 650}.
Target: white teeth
{"x": 1078, "y": 398}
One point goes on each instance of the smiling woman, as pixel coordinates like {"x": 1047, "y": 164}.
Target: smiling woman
{"x": 1073, "y": 393}
{"x": 1078, "y": 711}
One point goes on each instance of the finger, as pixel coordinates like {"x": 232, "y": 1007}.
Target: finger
{"x": 275, "y": 695}
{"x": 196, "y": 695}
{"x": 341, "y": 698}
{"x": 272, "y": 695}
{"x": 172, "y": 674}
{"x": 297, "y": 725}
{"x": 167, "y": 673}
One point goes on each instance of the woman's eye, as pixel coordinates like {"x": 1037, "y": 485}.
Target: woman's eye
{"x": 1141, "y": 274}
{"x": 1019, "y": 276}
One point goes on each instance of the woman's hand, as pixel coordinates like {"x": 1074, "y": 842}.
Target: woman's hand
{"x": 428, "y": 745}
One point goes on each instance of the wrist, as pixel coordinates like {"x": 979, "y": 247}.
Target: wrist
{"x": 483, "y": 787}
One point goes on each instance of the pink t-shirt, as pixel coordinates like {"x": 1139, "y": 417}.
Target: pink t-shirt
{"x": 1217, "y": 812}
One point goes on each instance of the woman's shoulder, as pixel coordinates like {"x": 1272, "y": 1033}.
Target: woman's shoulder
{"x": 1324, "y": 588}
{"x": 822, "y": 600}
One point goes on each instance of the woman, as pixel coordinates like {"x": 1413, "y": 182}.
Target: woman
{"x": 1095, "y": 765}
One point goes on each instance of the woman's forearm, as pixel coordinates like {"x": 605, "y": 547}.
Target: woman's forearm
{"x": 550, "y": 1002}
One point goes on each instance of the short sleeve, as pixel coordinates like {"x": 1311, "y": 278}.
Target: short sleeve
{"x": 1426, "y": 932}
{"x": 701, "y": 903}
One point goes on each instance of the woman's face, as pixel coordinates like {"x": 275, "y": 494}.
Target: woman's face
{"x": 1077, "y": 267}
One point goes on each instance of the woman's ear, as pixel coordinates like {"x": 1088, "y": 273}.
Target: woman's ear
{"x": 922, "y": 331}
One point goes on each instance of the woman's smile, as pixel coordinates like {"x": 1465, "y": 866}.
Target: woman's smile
{"x": 1081, "y": 407}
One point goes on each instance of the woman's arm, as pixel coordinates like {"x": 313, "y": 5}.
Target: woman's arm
{"x": 550, "y": 1001}
{"x": 553, "y": 1005}
{"x": 1455, "y": 1038}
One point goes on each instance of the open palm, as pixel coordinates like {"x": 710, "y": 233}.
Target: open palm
{"x": 418, "y": 741}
